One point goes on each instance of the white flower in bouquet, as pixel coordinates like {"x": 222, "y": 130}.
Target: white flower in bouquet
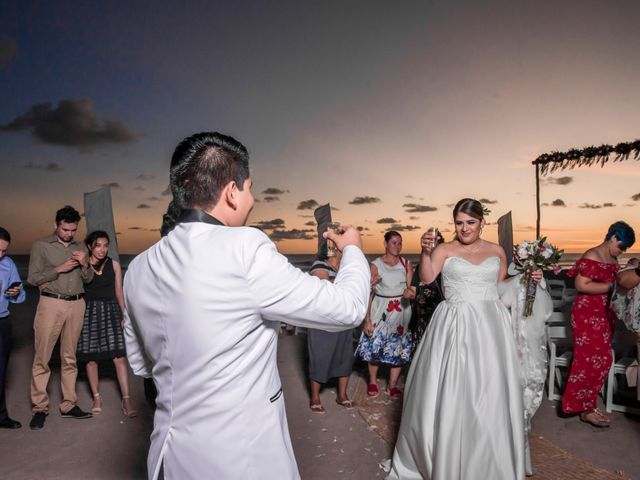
{"x": 532, "y": 256}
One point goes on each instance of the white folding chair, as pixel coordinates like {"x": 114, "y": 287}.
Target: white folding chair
{"x": 560, "y": 344}
{"x": 624, "y": 352}
{"x": 558, "y": 319}
{"x": 557, "y": 289}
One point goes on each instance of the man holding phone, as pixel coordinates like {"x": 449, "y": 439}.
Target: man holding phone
{"x": 11, "y": 291}
{"x": 59, "y": 267}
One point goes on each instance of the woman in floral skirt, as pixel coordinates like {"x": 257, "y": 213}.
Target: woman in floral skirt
{"x": 592, "y": 321}
{"x": 385, "y": 335}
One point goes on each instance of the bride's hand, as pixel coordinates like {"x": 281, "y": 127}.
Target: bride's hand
{"x": 536, "y": 275}
{"x": 427, "y": 242}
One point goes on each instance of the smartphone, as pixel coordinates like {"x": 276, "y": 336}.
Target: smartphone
{"x": 13, "y": 285}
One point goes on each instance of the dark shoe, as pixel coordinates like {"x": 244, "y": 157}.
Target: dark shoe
{"x": 37, "y": 421}
{"x": 10, "y": 423}
{"x": 75, "y": 412}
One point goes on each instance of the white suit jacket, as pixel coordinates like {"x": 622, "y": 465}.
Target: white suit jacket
{"x": 202, "y": 312}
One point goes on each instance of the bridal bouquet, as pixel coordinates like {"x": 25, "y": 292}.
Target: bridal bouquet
{"x": 530, "y": 256}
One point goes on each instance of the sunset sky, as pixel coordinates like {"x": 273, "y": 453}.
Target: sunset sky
{"x": 390, "y": 111}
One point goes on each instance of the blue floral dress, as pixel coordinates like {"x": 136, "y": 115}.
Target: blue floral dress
{"x": 391, "y": 342}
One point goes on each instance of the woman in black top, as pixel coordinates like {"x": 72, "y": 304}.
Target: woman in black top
{"x": 102, "y": 337}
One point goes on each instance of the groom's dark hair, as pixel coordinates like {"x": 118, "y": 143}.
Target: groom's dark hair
{"x": 202, "y": 165}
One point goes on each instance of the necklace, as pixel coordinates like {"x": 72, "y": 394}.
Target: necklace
{"x": 97, "y": 272}
{"x": 473, "y": 250}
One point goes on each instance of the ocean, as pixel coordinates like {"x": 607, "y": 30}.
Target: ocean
{"x": 304, "y": 260}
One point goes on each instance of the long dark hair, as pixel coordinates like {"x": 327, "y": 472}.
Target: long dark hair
{"x": 91, "y": 239}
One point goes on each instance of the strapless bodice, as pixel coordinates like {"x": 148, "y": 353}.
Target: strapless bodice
{"x": 467, "y": 282}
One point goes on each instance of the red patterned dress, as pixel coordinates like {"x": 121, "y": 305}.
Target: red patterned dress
{"x": 592, "y": 321}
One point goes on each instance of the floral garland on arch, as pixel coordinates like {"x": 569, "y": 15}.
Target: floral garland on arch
{"x": 554, "y": 161}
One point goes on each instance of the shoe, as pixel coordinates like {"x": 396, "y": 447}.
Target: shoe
{"x": 76, "y": 412}
{"x": 96, "y": 399}
{"x": 317, "y": 408}
{"x": 37, "y": 421}
{"x": 127, "y": 411}
{"x": 10, "y": 423}
{"x": 347, "y": 404}
{"x": 394, "y": 392}
{"x": 595, "y": 418}
{"x": 372, "y": 390}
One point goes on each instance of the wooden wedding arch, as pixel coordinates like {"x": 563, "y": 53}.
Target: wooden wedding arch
{"x": 557, "y": 161}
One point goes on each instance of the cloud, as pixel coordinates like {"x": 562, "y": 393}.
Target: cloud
{"x": 556, "y": 203}
{"x": 403, "y": 228}
{"x": 153, "y": 199}
{"x": 415, "y": 208}
{"x": 387, "y": 220}
{"x": 50, "y": 167}
{"x": 310, "y": 223}
{"x": 308, "y": 205}
{"x": 559, "y": 181}
{"x": 270, "y": 224}
{"x": 8, "y": 51}
{"x": 143, "y": 205}
{"x": 635, "y": 197}
{"x": 364, "y": 200}
{"x": 409, "y": 196}
{"x": 166, "y": 191}
{"x": 144, "y": 177}
{"x": 139, "y": 188}
{"x": 271, "y": 198}
{"x": 73, "y": 123}
{"x": 413, "y": 217}
{"x": 362, "y": 229}
{"x": 112, "y": 185}
{"x": 595, "y": 206}
{"x": 486, "y": 201}
{"x": 293, "y": 234}
{"x": 274, "y": 191}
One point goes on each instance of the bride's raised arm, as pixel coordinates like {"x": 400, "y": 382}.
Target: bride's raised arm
{"x": 431, "y": 262}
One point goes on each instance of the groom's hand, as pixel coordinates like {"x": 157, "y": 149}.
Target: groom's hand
{"x": 347, "y": 235}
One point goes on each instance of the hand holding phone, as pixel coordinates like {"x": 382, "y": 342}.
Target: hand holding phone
{"x": 13, "y": 290}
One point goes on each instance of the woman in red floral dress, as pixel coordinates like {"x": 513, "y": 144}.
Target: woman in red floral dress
{"x": 592, "y": 321}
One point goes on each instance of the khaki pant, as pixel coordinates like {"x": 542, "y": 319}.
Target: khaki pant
{"x": 56, "y": 318}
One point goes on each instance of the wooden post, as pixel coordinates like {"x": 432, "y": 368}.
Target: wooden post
{"x": 537, "y": 200}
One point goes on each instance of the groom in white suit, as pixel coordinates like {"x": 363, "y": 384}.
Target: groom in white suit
{"x": 202, "y": 312}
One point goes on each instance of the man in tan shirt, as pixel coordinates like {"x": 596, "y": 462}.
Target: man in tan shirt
{"x": 59, "y": 267}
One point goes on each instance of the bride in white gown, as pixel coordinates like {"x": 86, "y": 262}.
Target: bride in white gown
{"x": 463, "y": 412}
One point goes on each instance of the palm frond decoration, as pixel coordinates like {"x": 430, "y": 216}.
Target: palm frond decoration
{"x": 587, "y": 157}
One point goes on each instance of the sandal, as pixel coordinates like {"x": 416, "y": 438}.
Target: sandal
{"x": 372, "y": 390}
{"x": 96, "y": 399}
{"x": 347, "y": 404}
{"x": 394, "y": 392}
{"x": 128, "y": 412}
{"x": 595, "y": 418}
{"x": 317, "y": 408}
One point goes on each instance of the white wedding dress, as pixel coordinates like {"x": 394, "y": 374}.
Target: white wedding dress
{"x": 463, "y": 413}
